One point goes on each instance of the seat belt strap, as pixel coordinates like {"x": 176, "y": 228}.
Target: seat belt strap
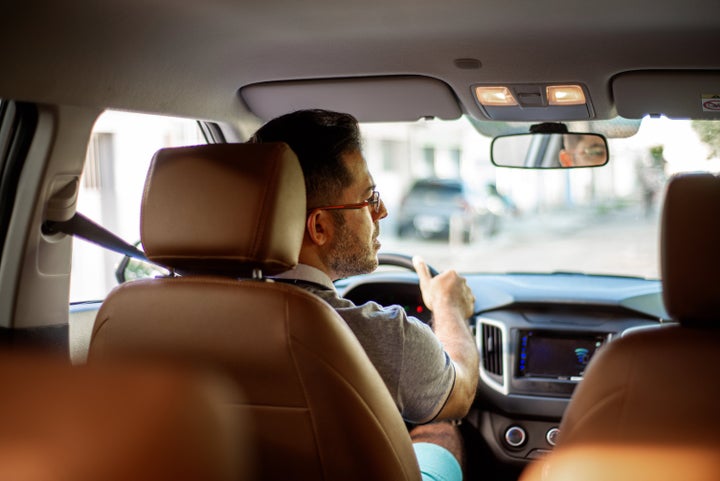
{"x": 80, "y": 226}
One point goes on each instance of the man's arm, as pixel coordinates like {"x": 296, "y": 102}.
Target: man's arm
{"x": 451, "y": 301}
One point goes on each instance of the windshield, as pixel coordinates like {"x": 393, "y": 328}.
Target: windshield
{"x": 448, "y": 203}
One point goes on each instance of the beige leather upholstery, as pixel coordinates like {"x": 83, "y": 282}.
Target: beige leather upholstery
{"x": 319, "y": 408}
{"x": 224, "y": 209}
{"x": 142, "y": 422}
{"x": 589, "y": 462}
{"x": 689, "y": 250}
{"x": 648, "y": 407}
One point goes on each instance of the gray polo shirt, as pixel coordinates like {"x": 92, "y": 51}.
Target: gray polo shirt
{"x": 409, "y": 357}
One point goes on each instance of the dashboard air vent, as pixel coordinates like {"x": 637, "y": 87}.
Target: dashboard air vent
{"x": 492, "y": 350}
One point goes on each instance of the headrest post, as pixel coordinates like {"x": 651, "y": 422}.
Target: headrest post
{"x": 257, "y": 274}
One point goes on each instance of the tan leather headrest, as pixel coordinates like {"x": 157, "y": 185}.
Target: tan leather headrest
{"x": 690, "y": 249}
{"x": 224, "y": 209}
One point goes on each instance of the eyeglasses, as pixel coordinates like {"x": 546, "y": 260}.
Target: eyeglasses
{"x": 373, "y": 201}
{"x": 592, "y": 152}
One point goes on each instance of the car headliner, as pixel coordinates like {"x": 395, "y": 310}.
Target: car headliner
{"x": 191, "y": 58}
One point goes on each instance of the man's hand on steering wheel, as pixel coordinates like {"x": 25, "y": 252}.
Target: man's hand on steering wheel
{"x": 447, "y": 290}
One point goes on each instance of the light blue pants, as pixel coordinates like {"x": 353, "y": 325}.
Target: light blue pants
{"x": 437, "y": 463}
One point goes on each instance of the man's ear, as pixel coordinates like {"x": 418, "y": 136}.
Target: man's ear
{"x": 319, "y": 227}
{"x": 566, "y": 158}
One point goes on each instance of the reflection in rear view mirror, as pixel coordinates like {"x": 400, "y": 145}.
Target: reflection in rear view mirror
{"x": 549, "y": 150}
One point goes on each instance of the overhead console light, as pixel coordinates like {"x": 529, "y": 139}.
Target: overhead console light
{"x": 495, "y": 96}
{"x": 565, "y": 95}
{"x": 534, "y": 102}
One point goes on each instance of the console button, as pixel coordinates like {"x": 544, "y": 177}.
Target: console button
{"x": 552, "y": 435}
{"x": 515, "y": 436}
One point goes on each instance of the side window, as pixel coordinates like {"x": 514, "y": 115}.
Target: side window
{"x": 17, "y": 127}
{"x": 117, "y": 161}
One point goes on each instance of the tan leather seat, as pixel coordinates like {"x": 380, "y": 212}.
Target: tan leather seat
{"x": 223, "y": 214}
{"x": 135, "y": 421}
{"x": 649, "y": 406}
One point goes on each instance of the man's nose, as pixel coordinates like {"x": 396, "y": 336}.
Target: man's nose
{"x": 382, "y": 211}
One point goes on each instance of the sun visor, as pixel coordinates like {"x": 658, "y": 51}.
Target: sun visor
{"x": 672, "y": 93}
{"x": 377, "y": 99}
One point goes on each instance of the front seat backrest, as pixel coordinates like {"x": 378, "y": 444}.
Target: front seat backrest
{"x": 227, "y": 216}
{"x": 139, "y": 421}
{"x": 648, "y": 405}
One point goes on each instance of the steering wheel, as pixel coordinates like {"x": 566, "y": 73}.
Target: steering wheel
{"x": 401, "y": 260}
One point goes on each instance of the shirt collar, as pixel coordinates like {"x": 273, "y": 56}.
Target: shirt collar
{"x": 304, "y": 272}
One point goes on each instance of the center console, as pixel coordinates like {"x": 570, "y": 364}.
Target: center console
{"x": 530, "y": 373}
{"x": 551, "y": 362}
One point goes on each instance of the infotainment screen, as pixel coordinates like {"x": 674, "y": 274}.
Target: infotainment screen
{"x": 556, "y": 355}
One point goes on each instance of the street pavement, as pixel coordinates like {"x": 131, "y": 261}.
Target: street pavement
{"x": 621, "y": 242}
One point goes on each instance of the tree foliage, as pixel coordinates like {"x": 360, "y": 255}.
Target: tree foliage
{"x": 709, "y": 133}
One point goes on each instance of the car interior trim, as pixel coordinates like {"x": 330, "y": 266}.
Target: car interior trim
{"x": 374, "y": 99}
{"x": 645, "y": 92}
{"x": 492, "y": 381}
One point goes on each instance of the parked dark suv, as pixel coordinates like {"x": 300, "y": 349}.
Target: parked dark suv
{"x": 442, "y": 208}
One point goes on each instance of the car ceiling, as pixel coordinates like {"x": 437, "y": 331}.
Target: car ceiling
{"x": 196, "y": 58}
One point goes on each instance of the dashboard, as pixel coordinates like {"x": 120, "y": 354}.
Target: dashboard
{"x": 536, "y": 334}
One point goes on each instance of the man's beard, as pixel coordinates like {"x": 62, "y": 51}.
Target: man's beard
{"x": 348, "y": 255}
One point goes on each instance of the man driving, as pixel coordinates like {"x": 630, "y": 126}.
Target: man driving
{"x": 432, "y": 374}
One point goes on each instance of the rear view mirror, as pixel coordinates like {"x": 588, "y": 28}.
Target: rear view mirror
{"x": 549, "y": 150}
